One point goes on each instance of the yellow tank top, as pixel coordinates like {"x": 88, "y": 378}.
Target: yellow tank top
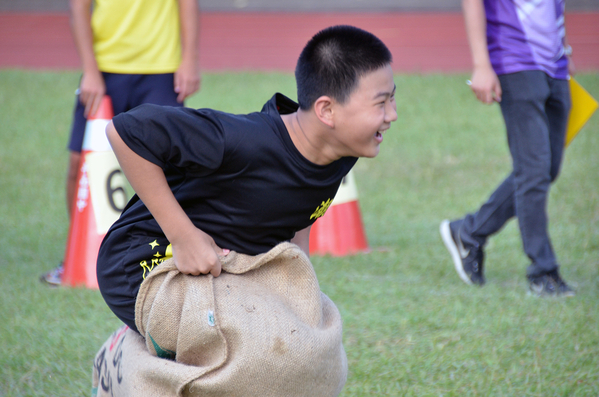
{"x": 136, "y": 36}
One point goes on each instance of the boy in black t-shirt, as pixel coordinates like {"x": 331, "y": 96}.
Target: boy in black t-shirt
{"x": 208, "y": 182}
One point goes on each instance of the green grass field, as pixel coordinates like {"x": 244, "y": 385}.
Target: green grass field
{"x": 411, "y": 327}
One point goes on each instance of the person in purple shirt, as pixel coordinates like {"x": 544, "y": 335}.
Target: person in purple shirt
{"x": 520, "y": 60}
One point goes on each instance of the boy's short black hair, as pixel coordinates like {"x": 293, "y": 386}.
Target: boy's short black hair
{"x": 334, "y": 60}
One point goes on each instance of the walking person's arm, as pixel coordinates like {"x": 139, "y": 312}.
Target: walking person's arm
{"x": 484, "y": 81}
{"x": 568, "y": 51}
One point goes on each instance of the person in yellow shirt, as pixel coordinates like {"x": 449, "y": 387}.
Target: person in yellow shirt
{"x": 135, "y": 51}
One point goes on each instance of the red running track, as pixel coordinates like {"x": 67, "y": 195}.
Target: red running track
{"x": 420, "y": 42}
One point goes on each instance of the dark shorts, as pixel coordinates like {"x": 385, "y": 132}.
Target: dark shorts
{"x": 125, "y": 259}
{"x": 126, "y": 92}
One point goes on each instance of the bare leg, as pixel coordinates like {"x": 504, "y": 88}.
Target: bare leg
{"x": 73, "y": 170}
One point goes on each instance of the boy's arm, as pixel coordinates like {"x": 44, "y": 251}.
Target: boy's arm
{"x": 92, "y": 87}
{"x": 187, "y": 77}
{"x": 194, "y": 251}
{"x": 485, "y": 83}
{"x": 302, "y": 239}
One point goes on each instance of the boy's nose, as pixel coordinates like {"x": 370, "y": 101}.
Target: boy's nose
{"x": 391, "y": 114}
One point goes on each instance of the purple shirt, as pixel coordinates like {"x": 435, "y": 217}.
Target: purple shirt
{"x": 526, "y": 35}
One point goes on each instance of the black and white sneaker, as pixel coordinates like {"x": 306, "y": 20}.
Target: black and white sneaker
{"x": 549, "y": 284}
{"x": 468, "y": 260}
{"x": 54, "y": 277}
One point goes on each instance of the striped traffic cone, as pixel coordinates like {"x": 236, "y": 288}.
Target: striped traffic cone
{"x": 340, "y": 231}
{"x": 100, "y": 198}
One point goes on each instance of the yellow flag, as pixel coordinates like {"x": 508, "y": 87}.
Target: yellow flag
{"x": 583, "y": 107}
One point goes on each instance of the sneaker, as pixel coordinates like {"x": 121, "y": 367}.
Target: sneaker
{"x": 468, "y": 260}
{"x": 53, "y": 277}
{"x": 549, "y": 284}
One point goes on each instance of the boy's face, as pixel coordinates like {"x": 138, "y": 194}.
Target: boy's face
{"x": 361, "y": 121}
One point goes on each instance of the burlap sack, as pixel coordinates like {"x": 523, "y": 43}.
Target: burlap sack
{"x": 262, "y": 328}
{"x": 124, "y": 367}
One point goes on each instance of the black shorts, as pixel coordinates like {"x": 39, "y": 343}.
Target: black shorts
{"x": 126, "y": 257}
{"x": 126, "y": 92}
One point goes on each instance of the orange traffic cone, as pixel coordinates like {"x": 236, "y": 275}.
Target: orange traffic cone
{"x": 100, "y": 198}
{"x": 340, "y": 232}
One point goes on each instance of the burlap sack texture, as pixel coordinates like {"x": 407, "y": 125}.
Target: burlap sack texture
{"x": 262, "y": 328}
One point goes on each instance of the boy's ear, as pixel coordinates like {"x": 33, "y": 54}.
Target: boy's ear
{"x": 323, "y": 108}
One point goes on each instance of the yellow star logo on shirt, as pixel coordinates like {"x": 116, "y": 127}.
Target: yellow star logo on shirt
{"x": 154, "y": 244}
{"x": 321, "y": 209}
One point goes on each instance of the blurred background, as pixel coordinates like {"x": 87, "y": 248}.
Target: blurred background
{"x": 411, "y": 326}
{"x": 423, "y": 35}
{"x": 289, "y": 5}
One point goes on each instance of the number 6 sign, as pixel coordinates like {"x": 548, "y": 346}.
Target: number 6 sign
{"x": 108, "y": 187}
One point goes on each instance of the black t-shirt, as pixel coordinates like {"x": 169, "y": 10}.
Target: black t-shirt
{"x": 239, "y": 178}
